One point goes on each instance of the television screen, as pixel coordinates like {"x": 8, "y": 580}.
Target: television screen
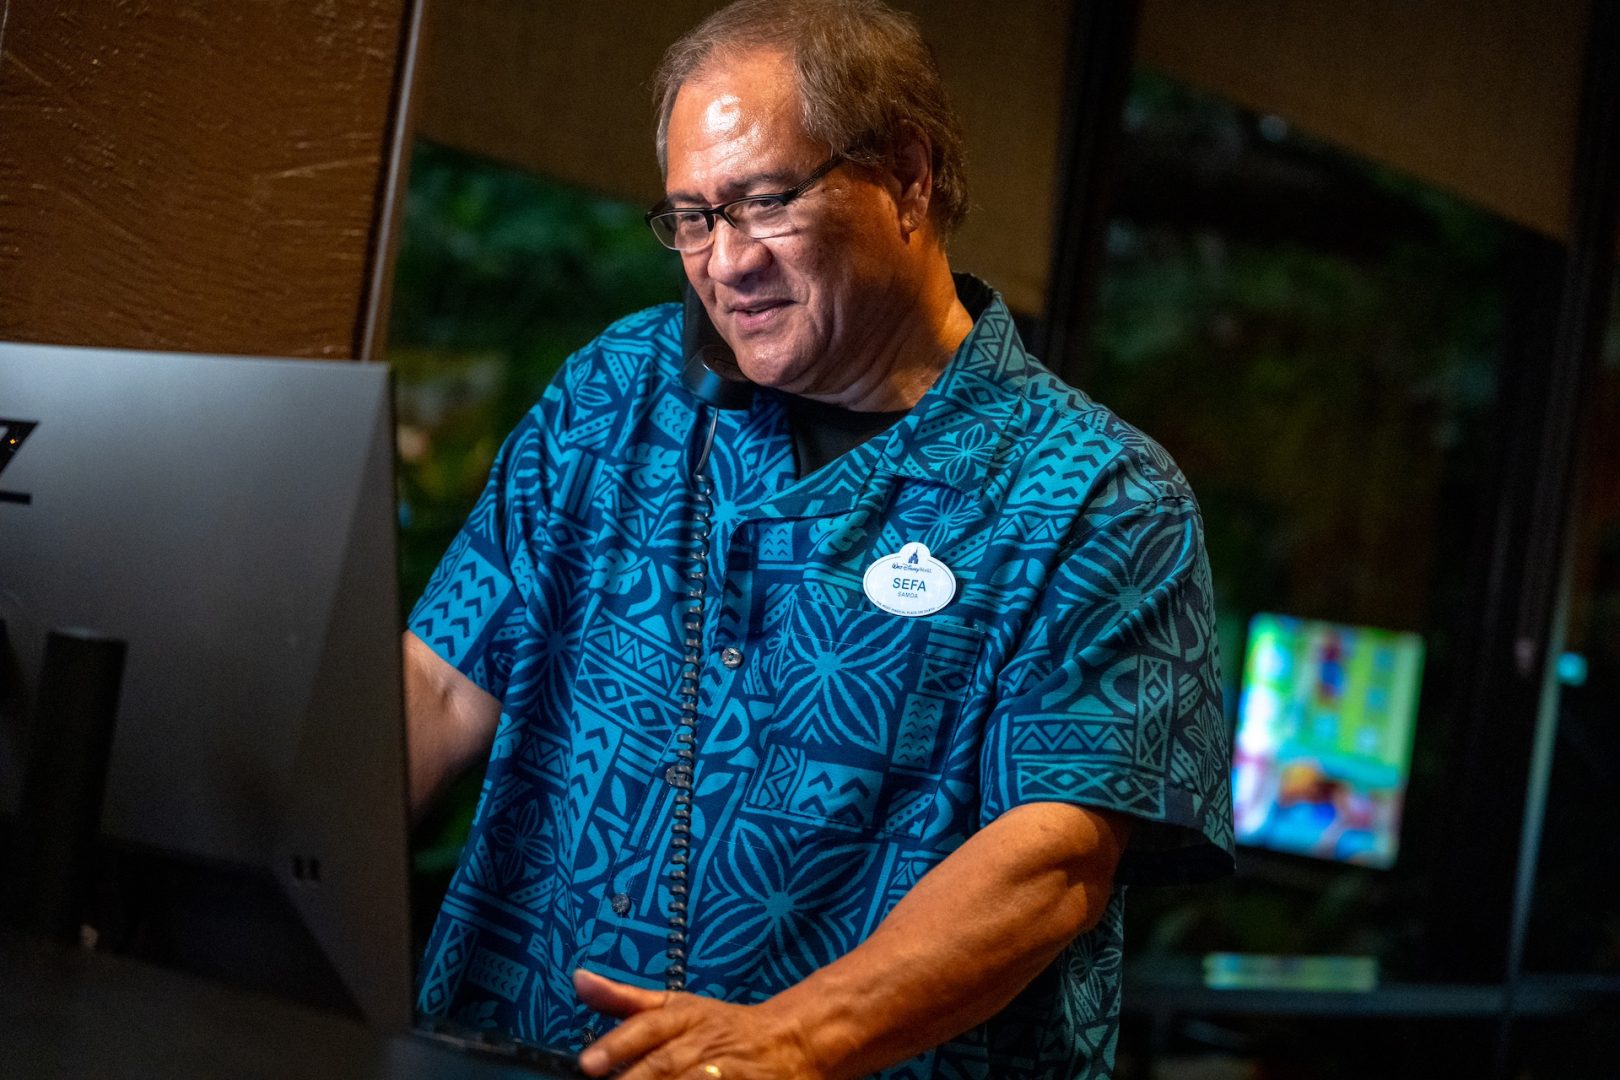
{"x": 1324, "y": 738}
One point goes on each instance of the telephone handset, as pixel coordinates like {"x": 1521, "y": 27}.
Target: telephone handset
{"x": 711, "y": 372}
{"x": 711, "y": 375}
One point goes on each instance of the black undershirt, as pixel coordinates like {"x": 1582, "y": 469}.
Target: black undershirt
{"x": 822, "y": 433}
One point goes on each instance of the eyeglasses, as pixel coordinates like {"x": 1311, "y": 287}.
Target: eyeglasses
{"x": 760, "y": 217}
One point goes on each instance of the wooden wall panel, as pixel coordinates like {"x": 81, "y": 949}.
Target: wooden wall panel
{"x": 193, "y": 175}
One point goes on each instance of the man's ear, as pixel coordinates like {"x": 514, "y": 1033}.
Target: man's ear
{"x": 914, "y": 171}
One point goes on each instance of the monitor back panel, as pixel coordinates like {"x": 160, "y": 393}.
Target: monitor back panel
{"x": 232, "y": 520}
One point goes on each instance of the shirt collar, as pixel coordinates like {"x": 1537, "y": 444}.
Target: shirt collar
{"x": 956, "y": 435}
{"x": 958, "y": 432}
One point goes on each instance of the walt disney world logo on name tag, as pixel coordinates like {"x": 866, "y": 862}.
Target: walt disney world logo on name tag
{"x": 910, "y": 582}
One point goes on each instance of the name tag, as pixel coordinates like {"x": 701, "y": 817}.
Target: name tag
{"x": 910, "y": 582}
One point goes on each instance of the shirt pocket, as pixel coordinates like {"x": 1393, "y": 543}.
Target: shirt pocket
{"x": 866, "y": 713}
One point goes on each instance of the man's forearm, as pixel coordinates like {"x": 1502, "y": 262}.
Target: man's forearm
{"x": 956, "y": 949}
{"x": 963, "y": 942}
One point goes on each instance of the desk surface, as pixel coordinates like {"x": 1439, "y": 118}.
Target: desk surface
{"x": 69, "y": 1014}
{"x": 75, "y": 1015}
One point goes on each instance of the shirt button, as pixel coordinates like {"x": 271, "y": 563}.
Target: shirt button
{"x": 731, "y": 657}
{"x": 587, "y": 1035}
{"x": 620, "y": 903}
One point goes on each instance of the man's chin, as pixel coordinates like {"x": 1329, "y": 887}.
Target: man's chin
{"x": 776, "y": 372}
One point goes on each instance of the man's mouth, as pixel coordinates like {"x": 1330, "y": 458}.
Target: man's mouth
{"x": 754, "y": 307}
{"x": 755, "y": 313}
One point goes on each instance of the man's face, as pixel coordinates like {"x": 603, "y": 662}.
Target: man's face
{"x": 809, "y": 311}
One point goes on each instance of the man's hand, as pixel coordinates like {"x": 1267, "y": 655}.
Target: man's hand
{"x": 667, "y": 1034}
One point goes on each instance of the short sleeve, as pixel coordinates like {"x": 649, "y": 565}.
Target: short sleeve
{"x": 473, "y": 613}
{"x": 1112, "y": 698}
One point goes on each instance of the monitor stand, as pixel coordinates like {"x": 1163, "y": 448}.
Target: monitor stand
{"x": 64, "y": 779}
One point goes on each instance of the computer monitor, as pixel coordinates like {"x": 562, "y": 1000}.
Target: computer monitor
{"x": 1324, "y": 738}
{"x": 232, "y": 520}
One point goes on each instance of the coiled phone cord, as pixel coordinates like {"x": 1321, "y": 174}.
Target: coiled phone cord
{"x": 686, "y": 734}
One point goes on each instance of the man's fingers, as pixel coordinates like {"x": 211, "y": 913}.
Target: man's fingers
{"x": 645, "y": 1038}
{"x": 676, "y": 1060}
{"x": 615, "y": 998}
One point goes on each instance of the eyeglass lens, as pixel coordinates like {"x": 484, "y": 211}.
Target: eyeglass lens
{"x": 759, "y": 219}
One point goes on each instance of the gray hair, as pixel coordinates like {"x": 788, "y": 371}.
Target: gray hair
{"x": 867, "y": 82}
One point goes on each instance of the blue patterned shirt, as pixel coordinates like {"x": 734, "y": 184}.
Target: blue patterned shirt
{"x": 850, "y": 750}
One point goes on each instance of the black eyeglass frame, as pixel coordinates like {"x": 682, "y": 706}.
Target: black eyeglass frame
{"x": 710, "y": 213}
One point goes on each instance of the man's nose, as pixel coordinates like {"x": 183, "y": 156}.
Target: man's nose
{"x": 734, "y": 255}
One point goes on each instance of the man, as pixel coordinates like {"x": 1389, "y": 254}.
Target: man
{"x": 952, "y": 658}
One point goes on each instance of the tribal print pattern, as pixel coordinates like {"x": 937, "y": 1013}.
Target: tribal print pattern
{"x": 851, "y": 750}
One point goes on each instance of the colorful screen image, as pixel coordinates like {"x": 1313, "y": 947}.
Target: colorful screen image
{"x": 1324, "y": 738}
